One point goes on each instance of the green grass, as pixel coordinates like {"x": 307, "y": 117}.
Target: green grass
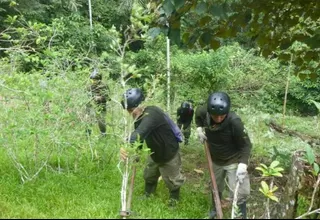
{"x": 89, "y": 194}
{"x": 87, "y": 187}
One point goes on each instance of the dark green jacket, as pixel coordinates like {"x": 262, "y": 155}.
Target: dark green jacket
{"x": 153, "y": 128}
{"x": 228, "y": 141}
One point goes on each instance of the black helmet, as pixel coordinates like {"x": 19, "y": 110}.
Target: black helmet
{"x": 218, "y": 103}
{"x": 95, "y": 75}
{"x": 185, "y": 105}
{"x": 134, "y": 97}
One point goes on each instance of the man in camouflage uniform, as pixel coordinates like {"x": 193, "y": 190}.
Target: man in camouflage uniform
{"x": 164, "y": 159}
{"x": 184, "y": 119}
{"x": 98, "y": 93}
{"x": 229, "y": 146}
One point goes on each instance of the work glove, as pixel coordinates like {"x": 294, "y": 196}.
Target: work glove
{"x": 123, "y": 154}
{"x": 241, "y": 172}
{"x": 202, "y": 137}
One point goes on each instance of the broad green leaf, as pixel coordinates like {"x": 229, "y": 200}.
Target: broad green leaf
{"x": 265, "y": 186}
{"x": 316, "y": 168}
{"x": 278, "y": 169}
{"x": 206, "y": 37}
{"x": 174, "y": 35}
{"x": 217, "y": 10}
{"x": 201, "y": 8}
{"x": 214, "y": 43}
{"x": 185, "y": 37}
{"x": 38, "y": 41}
{"x": 264, "y": 166}
{"x": 5, "y": 36}
{"x": 310, "y": 155}
{"x": 317, "y": 104}
{"x": 154, "y": 32}
{"x": 277, "y": 174}
{"x": 274, "y": 189}
{"x": 168, "y": 7}
{"x": 12, "y": 4}
{"x": 204, "y": 20}
{"x": 274, "y": 164}
{"x": 274, "y": 198}
{"x": 264, "y": 193}
{"x": 261, "y": 169}
{"x": 178, "y": 3}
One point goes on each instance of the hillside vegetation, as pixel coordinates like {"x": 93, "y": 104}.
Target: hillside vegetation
{"x": 51, "y": 168}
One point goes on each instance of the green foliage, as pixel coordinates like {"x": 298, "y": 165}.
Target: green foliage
{"x": 272, "y": 170}
{"x": 197, "y": 74}
{"x": 317, "y": 104}
{"x": 311, "y": 159}
{"x": 267, "y": 192}
{"x": 249, "y": 79}
{"x": 303, "y": 204}
{"x": 272, "y": 26}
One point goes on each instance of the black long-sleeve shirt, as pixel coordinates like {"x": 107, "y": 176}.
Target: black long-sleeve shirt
{"x": 185, "y": 116}
{"x": 228, "y": 141}
{"x": 153, "y": 128}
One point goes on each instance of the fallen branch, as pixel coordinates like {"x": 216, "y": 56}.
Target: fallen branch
{"x": 314, "y": 193}
{"x": 308, "y": 213}
{"x": 307, "y": 138}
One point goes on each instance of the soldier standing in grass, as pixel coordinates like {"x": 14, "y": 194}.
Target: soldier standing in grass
{"x": 151, "y": 126}
{"x": 98, "y": 92}
{"x": 184, "y": 119}
{"x": 229, "y": 145}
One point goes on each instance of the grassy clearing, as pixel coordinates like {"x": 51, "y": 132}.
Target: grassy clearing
{"x": 90, "y": 188}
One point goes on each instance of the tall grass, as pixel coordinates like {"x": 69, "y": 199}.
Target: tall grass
{"x": 50, "y": 168}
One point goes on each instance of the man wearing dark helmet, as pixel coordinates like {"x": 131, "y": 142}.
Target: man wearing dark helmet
{"x": 185, "y": 114}
{"x": 229, "y": 145}
{"x": 151, "y": 126}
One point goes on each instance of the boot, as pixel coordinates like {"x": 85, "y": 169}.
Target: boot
{"x": 243, "y": 210}
{"x": 212, "y": 214}
{"x": 174, "y": 197}
{"x": 150, "y": 188}
{"x": 175, "y": 194}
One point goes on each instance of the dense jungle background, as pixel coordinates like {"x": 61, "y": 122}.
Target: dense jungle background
{"x": 265, "y": 54}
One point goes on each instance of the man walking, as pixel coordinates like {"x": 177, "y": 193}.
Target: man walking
{"x": 184, "y": 119}
{"x": 229, "y": 145}
{"x": 151, "y": 126}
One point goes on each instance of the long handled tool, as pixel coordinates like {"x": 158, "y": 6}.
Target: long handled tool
{"x": 131, "y": 188}
{"x": 215, "y": 190}
{"x": 125, "y": 214}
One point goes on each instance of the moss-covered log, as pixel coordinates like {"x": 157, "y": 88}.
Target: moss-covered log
{"x": 300, "y": 192}
{"x": 286, "y": 208}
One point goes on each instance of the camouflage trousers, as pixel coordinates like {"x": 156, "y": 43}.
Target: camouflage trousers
{"x": 170, "y": 172}
{"x": 97, "y": 113}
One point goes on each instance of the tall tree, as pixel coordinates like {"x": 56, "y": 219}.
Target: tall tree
{"x": 272, "y": 25}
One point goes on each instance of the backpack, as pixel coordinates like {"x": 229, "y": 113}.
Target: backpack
{"x": 175, "y": 129}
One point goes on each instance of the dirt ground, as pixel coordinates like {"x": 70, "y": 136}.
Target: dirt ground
{"x": 195, "y": 165}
